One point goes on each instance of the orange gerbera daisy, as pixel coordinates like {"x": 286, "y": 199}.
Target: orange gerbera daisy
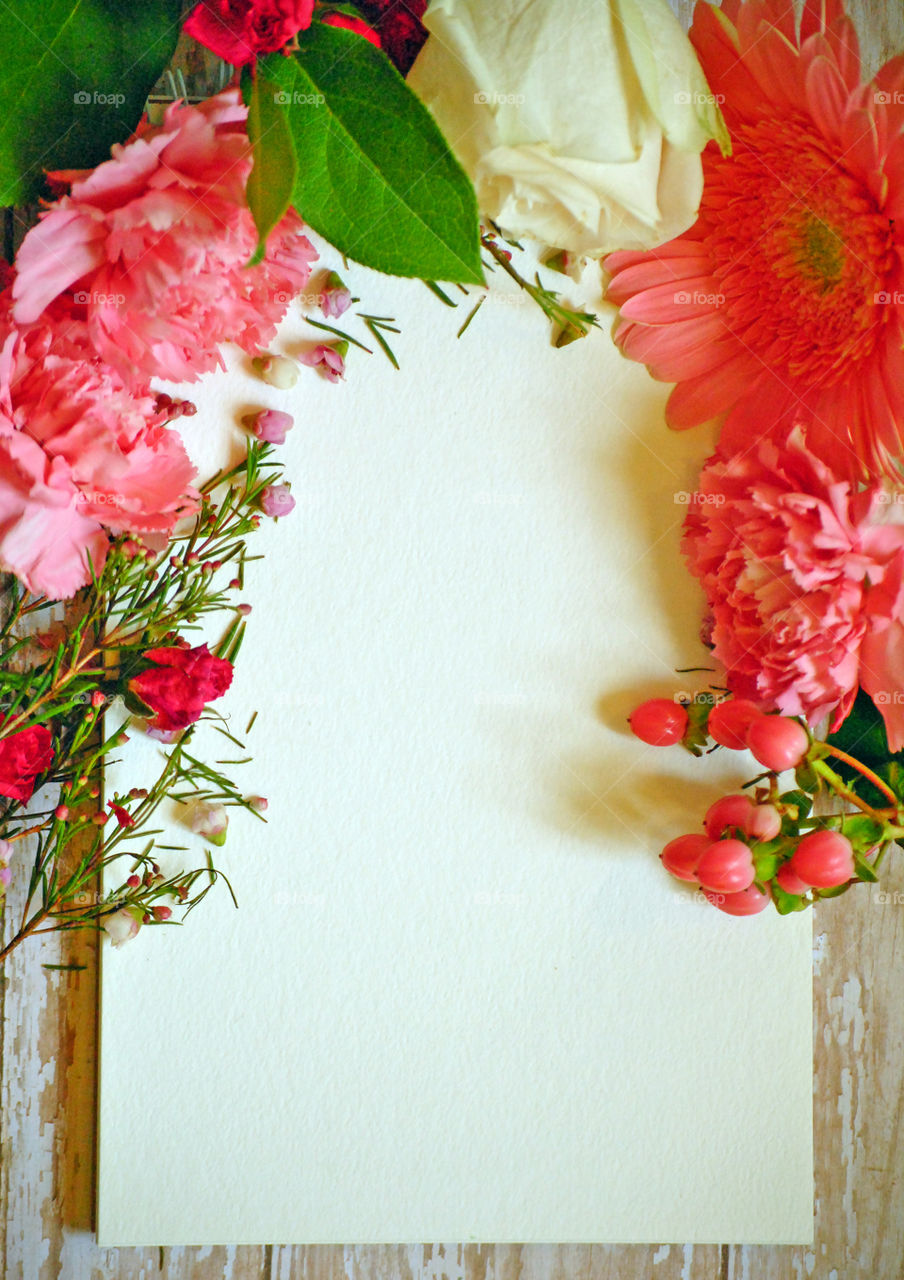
{"x": 784, "y": 303}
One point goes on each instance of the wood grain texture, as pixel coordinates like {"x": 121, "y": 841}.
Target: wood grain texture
{"x": 47, "y": 1099}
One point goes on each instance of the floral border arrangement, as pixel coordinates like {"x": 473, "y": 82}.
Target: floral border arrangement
{"x": 740, "y": 189}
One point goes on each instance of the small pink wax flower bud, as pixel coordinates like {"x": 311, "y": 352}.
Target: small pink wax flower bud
{"x": 243, "y": 609}
{"x": 259, "y": 803}
{"x": 335, "y": 296}
{"x": 276, "y": 371}
{"x": 61, "y": 813}
{"x": 235, "y": 584}
{"x": 100, "y": 819}
{"x": 133, "y": 881}
{"x": 276, "y": 500}
{"x": 162, "y": 913}
{"x": 6, "y": 875}
{"x": 121, "y": 925}
{"x": 210, "y": 822}
{"x": 270, "y": 425}
{"x": 97, "y": 698}
{"x": 329, "y": 358}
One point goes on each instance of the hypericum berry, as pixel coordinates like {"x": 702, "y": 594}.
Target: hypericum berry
{"x": 726, "y": 867}
{"x": 787, "y": 880}
{"x": 681, "y": 855}
{"x": 757, "y": 821}
{"x": 823, "y": 859}
{"x": 660, "y": 722}
{"x": 729, "y": 721}
{"x": 778, "y": 742}
{"x": 749, "y": 902}
{"x": 729, "y": 811}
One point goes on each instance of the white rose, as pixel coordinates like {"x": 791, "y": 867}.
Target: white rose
{"x": 580, "y": 122}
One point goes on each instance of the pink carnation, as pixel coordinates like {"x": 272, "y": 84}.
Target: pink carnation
{"x": 81, "y": 455}
{"x": 805, "y": 580}
{"x": 154, "y": 246}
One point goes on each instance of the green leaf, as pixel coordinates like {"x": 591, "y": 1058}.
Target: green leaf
{"x": 802, "y": 802}
{"x": 864, "y": 870}
{"x": 765, "y": 865}
{"x": 785, "y": 903}
{"x": 862, "y": 830}
{"x": 863, "y": 732}
{"x": 375, "y": 175}
{"x": 76, "y": 74}
{"x": 272, "y": 177}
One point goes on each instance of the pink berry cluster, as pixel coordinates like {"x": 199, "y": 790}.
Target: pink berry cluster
{"x": 777, "y": 742}
{"x": 764, "y": 847}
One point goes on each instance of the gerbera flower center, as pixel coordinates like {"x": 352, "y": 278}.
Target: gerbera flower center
{"x": 801, "y": 251}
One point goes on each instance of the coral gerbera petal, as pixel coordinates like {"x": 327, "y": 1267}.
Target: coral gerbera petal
{"x": 793, "y": 269}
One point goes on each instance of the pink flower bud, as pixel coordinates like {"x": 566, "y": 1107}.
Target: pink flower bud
{"x": 121, "y": 925}
{"x": 276, "y": 371}
{"x": 276, "y": 500}
{"x": 260, "y": 803}
{"x": 210, "y": 822}
{"x": 162, "y": 913}
{"x": 61, "y": 813}
{"x": 329, "y": 358}
{"x": 270, "y": 425}
{"x": 335, "y": 296}
{"x": 133, "y": 881}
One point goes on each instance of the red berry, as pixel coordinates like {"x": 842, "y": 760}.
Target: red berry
{"x": 729, "y": 721}
{"x": 726, "y": 867}
{"x": 758, "y": 821}
{"x": 765, "y": 822}
{"x": 659, "y": 722}
{"x": 823, "y": 859}
{"x": 681, "y": 855}
{"x": 778, "y": 742}
{"x": 746, "y": 903}
{"x": 730, "y": 811}
{"x": 787, "y": 880}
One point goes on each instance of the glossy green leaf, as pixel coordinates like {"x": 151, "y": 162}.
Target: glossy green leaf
{"x": 272, "y": 178}
{"x": 374, "y": 174}
{"x": 76, "y": 74}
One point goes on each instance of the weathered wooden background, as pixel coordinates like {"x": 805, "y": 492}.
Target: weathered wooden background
{"x": 47, "y": 1108}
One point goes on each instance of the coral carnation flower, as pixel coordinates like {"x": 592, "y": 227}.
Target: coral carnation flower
{"x": 804, "y": 575}
{"x": 784, "y": 303}
{"x": 153, "y": 246}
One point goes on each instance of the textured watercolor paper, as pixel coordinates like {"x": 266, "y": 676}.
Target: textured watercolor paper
{"x": 460, "y": 1000}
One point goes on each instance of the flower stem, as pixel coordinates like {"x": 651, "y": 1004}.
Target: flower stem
{"x": 867, "y": 773}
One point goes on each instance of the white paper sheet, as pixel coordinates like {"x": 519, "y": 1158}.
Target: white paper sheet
{"x": 460, "y": 999}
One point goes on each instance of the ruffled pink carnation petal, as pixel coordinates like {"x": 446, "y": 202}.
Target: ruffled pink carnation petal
{"x": 82, "y": 456}
{"x": 784, "y": 303}
{"x": 802, "y": 574}
{"x": 153, "y": 245}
